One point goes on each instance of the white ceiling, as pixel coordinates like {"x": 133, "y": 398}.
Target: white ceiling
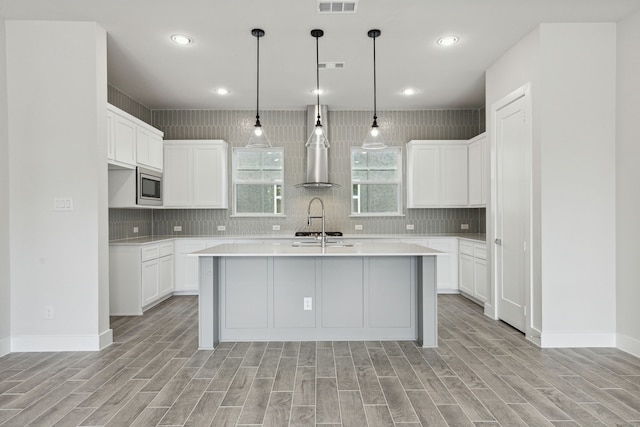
{"x": 144, "y": 63}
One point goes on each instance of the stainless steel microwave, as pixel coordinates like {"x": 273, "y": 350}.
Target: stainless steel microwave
{"x": 148, "y": 187}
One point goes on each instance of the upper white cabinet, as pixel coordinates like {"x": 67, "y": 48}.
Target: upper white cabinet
{"x": 195, "y": 174}
{"x": 478, "y": 171}
{"x": 437, "y": 174}
{"x": 132, "y": 142}
{"x": 149, "y": 148}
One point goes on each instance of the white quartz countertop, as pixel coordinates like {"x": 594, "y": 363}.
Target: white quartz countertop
{"x": 280, "y": 249}
{"x": 287, "y": 238}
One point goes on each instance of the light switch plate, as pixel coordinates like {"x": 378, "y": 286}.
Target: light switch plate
{"x": 63, "y": 204}
{"x": 308, "y": 303}
{"x": 177, "y": 228}
{"x": 222, "y": 228}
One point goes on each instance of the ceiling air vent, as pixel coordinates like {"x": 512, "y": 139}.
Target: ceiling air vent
{"x": 337, "y": 6}
{"x": 331, "y": 65}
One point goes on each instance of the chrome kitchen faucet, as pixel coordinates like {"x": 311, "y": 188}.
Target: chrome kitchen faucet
{"x": 323, "y": 236}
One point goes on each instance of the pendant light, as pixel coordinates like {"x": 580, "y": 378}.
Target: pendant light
{"x": 374, "y": 140}
{"x": 258, "y": 139}
{"x": 318, "y": 137}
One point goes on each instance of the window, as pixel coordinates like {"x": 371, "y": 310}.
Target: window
{"x": 376, "y": 182}
{"x": 258, "y": 177}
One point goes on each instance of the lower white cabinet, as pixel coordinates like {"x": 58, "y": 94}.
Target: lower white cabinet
{"x": 473, "y": 270}
{"x": 186, "y": 267}
{"x": 447, "y": 266}
{"x": 140, "y": 276}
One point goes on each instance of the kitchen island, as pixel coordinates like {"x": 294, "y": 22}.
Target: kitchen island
{"x": 279, "y": 291}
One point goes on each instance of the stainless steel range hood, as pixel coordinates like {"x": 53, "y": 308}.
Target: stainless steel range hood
{"x": 317, "y": 172}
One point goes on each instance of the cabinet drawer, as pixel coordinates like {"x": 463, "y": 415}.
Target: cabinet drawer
{"x": 166, "y": 249}
{"x": 480, "y": 250}
{"x": 150, "y": 252}
{"x": 466, "y": 247}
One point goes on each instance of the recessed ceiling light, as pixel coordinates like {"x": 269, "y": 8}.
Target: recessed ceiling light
{"x": 408, "y": 91}
{"x": 181, "y": 39}
{"x": 318, "y": 91}
{"x": 221, "y": 91}
{"x": 448, "y": 40}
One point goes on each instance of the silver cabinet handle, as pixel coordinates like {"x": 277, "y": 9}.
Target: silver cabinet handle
{"x": 498, "y": 242}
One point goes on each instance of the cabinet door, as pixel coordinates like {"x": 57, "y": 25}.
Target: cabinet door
{"x": 148, "y": 148}
{"x": 476, "y": 177}
{"x": 454, "y": 175}
{"x": 187, "y": 266}
{"x": 177, "y": 176}
{"x": 465, "y": 279}
{"x": 447, "y": 266}
{"x": 480, "y": 291}
{"x": 209, "y": 176}
{"x": 165, "y": 275}
{"x": 124, "y": 132}
{"x": 111, "y": 149}
{"x": 149, "y": 282}
{"x": 424, "y": 176}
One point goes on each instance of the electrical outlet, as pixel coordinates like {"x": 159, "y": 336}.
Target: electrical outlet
{"x": 275, "y": 228}
{"x": 48, "y": 312}
{"x": 63, "y": 204}
{"x": 177, "y": 228}
{"x": 135, "y": 229}
{"x": 308, "y": 301}
{"x": 464, "y": 226}
{"x": 221, "y": 228}
{"x": 358, "y": 227}
{"x": 409, "y": 226}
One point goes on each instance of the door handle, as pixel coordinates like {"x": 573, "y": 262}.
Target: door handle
{"x": 498, "y": 242}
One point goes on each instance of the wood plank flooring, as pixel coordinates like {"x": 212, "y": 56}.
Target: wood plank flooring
{"x": 483, "y": 373}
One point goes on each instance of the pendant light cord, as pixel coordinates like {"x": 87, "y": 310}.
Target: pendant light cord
{"x": 258, "y": 81}
{"x": 318, "y": 81}
{"x": 375, "y": 109}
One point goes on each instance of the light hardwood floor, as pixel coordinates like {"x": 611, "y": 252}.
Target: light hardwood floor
{"x": 483, "y": 373}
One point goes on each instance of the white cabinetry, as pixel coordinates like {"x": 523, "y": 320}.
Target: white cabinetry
{"x": 140, "y": 276}
{"x": 186, "y": 273}
{"x": 447, "y": 266}
{"x": 195, "y": 174}
{"x": 478, "y": 171}
{"x": 149, "y": 148}
{"x": 437, "y": 174}
{"x": 473, "y": 270}
{"x": 132, "y": 142}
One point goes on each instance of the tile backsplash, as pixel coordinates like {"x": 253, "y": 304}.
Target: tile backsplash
{"x": 287, "y": 129}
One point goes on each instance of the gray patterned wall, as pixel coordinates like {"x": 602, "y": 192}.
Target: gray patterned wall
{"x": 124, "y": 102}
{"x": 288, "y": 129}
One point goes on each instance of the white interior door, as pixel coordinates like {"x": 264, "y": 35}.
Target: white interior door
{"x": 512, "y": 228}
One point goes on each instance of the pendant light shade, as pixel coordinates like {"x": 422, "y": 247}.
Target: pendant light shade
{"x": 318, "y": 137}
{"x": 374, "y": 140}
{"x": 258, "y": 139}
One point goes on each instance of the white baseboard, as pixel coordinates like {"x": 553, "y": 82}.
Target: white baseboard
{"x": 448, "y": 291}
{"x": 578, "y": 339}
{"x": 180, "y": 293}
{"x": 29, "y": 343}
{"x": 628, "y": 344}
{"x": 106, "y": 339}
{"x": 5, "y": 346}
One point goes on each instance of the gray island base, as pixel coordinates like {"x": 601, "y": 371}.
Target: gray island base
{"x": 279, "y": 292}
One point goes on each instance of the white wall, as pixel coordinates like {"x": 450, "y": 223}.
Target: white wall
{"x": 571, "y": 68}
{"x": 5, "y": 295}
{"x": 56, "y": 73}
{"x": 578, "y": 183}
{"x": 627, "y": 182}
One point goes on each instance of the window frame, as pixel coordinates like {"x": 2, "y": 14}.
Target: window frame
{"x": 278, "y": 196}
{"x": 359, "y": 183}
